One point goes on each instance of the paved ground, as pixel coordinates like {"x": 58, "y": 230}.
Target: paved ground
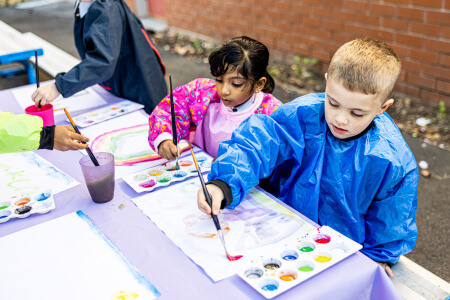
{"x": 54, "y": 24}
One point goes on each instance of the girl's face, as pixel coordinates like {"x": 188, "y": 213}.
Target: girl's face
{"x": 234, "y": 89}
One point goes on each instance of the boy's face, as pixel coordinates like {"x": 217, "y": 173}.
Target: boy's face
{"x": 234, "y": 89}
{"x": 349, "y": 113}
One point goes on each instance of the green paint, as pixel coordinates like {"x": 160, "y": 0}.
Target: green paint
{"x": 305, "y": 269}
{"x": 164, "y": 180}
{"x": 3, "y": 207}
{"x": 306, "y": 249}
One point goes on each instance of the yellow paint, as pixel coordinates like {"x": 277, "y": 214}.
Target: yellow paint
{"x": 126, "y": 295}
{"x": 323, "y": 259}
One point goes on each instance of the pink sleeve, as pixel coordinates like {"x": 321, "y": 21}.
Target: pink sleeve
{"x": 269, "y": 104}
{"x": 190, "y": 101}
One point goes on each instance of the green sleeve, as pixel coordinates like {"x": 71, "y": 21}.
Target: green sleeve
{"x": 19, "y": 133}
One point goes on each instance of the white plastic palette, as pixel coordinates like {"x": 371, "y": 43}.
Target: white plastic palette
{"x": 106, "y": 113}
{"x": 165, "y": 174}
{"x": 21, "y": 206}
{"x": 298, "y": 260}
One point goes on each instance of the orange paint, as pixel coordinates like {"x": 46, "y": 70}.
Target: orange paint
{"x": 22, "y": 201}
{"x": 287, "y": 277}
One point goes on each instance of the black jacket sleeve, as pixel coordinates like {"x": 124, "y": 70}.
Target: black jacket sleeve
{"x": 47, "y": 138}
{"x": 226, "y": 191}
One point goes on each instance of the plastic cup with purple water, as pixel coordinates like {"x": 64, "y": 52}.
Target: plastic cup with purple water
{"x": 99, "y": 179}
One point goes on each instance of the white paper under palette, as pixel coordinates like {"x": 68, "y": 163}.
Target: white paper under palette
{"x": 303, "y": 256}
{"x": 105, "y": 113}
{"x": 68, "y": 258}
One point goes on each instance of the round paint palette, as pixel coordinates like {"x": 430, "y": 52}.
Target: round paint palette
{"x": 21, "y": 206}
{"x": 165, "y": 174}
{"x": 275, "y": 271}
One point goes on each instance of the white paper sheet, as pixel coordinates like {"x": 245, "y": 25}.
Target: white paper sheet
{"x": 127, "y": 138}
{"x": 85, "y": 99}
{"x": 258, "y": 221}
{"x": 67, "y": 258}
{"x": 28, "y": 172}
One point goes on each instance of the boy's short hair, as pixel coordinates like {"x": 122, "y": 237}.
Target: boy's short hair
{"x": 367, "y": 66}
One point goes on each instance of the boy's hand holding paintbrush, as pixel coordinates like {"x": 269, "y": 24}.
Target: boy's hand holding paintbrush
{"x": 65, "y": 139}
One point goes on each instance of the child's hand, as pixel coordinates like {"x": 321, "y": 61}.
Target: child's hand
{"x": 45, "y": 94}
{"x": 386, "y": 267}
{"x": 66, "y": 137}
{"x": 216, "y": 197}
{"x": 168, "y": 150}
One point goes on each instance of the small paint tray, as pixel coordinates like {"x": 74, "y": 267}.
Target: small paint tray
{"x": 21, "y": 206}
{"x": 299, "y": 259}
{"x": 165, "y": 174}
{"x": 106, "y": 113}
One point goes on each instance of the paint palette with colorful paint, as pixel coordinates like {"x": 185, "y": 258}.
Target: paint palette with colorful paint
{"x": 106, "y": 113}
{"x": 21, "y": 206}
{"x": 298, "y": 260}
{"x": 165, "y": 174}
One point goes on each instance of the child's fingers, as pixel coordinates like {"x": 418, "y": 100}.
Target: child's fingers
{"x": 201, "y": 202}
{"x": 389, "y": 271}
{"x": 178, "y": 151}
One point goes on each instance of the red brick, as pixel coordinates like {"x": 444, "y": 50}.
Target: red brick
{"x": 421, "y": 80}
{"x": 424, "y": 56}
{"x": 443, "y": 86}
{"x": 402, "y": 76}
{"x": 321, "y": 55}
{"x": 410, "y": 13}
{"x": 426, "y": 29}
{"x": 438, "y": 17}
{"x": 407, "y": 89}
{"x": 439, "y": 46}
{"x": 395, "y": 24}
{"x": 344, "y": 16}
{"x": 383, "y": 35}
{"x": 411, "y": 66}
{"x": 438, "y": 72}
{"x": 355, "y": 30}
{"x": 321, "y": 12}
{"x": 312, "y": 22}
{"x": 341, "y": 38}
{"x": 381, "y": 9}
{"x": 445, "y": 32}
{"x": 301, "y": 50}
{"x": 331, "y": 25}
{"x": 282, "y": 6}
{"x": 444, "y": 59}
{"x": 428, "y": 3}
{"x": 401, "y": 51}
{"x": 354, "y": 5}
{"x": 368, "y": 20}
{"x": 409, "y": 40}
{"x": 398, "y": 1}
{"x": 434, "y": 97}
{"x": 447, "y": 4}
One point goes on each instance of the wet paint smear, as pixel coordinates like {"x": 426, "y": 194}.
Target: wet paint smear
{"x": 179, "y": 174}
{"x": 305, "y": 269}
{"x": 322, "y": 239}
{"x": 185, "y": 163}
{"x": 323, "y": 259}
{"x": 233, "y": 258}
{"x": 269, "y": 287}
{"x": 271, "y": 266}
{"x": 121, "y": 206}
{"x": 23, "y": 210}
{"x": 43, "y": 196}
{"x": 171, "y": 169}
{"x": 147, "y": 184}
{"x": 164, "y": 180}
{"x": 3, "y": 207}
{"x": 306, "y": 249}
{"x": 155, "y": 172}
{"x": 22, "y": 201}
{"x": 254, "y": 276}
{"x": 290, "y": 257}
{"x": 126, "y": 296}
{"x": 288, "y": 277}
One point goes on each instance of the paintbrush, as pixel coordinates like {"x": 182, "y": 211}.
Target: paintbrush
{"x": 91, "y": 155}
{"x": 174, "y": 123}
{"x": 36, "y": 69}
{"x": 214, "y": 217}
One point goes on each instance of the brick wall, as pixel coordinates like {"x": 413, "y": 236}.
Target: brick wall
{"x": 418, "y": 30}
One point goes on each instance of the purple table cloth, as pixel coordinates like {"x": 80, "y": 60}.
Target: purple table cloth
{"x": 162, "y": 262}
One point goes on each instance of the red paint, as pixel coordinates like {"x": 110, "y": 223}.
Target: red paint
{"x": 322, "y": 238}
{"x": 233, "y": 258}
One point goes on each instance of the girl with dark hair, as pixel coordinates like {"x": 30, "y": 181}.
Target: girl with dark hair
{"x": 242, "y": 87}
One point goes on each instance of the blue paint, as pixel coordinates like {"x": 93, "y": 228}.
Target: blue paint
{"x": 269, "y": 287}
{"x": 290, "y": 257}
{"x": 201, "y": 159}
{"x": 139, "y": 277}
{"x": 179, "y": 174}
{"x": 43, "y": 196}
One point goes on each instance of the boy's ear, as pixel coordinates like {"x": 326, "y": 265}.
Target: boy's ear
{"x": 326, "y": 76}
{"x": 385, "y": 106}
{"x": 259, "y": 86}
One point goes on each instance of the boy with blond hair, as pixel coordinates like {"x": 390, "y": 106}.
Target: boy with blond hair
{"x": 336, "y": 157}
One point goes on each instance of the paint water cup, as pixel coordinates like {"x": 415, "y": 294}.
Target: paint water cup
{"x": 45, "y": 112}
{"x": 99, "y": 179}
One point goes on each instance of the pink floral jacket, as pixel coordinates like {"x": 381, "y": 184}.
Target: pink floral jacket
{"x": 191, "y": 102}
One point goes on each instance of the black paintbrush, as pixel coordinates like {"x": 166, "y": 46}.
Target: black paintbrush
{"x": 174, "y": 123}
{"x": 91, "y": 155}
{"x": 36, "y": 69}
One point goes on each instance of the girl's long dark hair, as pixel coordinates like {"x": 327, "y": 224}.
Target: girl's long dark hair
{"x": 248, "y": 56}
